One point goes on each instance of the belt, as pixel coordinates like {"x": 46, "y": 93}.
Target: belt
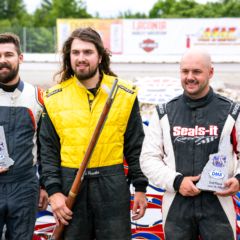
{"x": 96, "y": 172}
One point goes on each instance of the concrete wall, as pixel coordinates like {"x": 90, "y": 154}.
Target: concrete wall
{"x": 40, "y": 68}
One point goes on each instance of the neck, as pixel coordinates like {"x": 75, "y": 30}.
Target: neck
{"x": 12, "y": 82}
{"x": 10, "y": 87}
{"x": 91, "y": 82}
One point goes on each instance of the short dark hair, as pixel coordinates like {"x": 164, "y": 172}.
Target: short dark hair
{"x": 11, "y": 38}
{"x": 89, "y": 35}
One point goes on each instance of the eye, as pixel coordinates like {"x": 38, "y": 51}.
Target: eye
{"x": 88, "y": 52}
{"x": 9, "y": 54}
{"x": 184, "y": 71}
{"x": 74, "y": 52}
{"x": 197, "y": 72}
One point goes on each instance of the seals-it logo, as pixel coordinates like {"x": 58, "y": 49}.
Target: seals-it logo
{"x": 148, "y": 45}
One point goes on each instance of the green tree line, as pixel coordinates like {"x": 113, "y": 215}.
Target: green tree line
{"x": 38, "y": 29}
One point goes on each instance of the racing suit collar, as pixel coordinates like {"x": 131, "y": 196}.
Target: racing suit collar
{"x": 9, "y": 88}
{"x": 196, "y": 103}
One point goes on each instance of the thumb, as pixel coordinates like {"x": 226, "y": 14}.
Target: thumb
{"x": 227, "y": 183}
{"x": 135, "y": 207}
{"x": 195, "y": 178}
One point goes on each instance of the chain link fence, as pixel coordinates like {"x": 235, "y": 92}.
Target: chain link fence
{"x": 35, "y": 40}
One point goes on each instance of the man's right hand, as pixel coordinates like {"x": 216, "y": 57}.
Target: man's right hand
{"x": 2, "y": 170}
{"x": 60, "y": 210}
{"x": 188, "y": 187}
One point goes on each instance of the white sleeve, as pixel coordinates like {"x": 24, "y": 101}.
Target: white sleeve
{"x": 154, "y": 160}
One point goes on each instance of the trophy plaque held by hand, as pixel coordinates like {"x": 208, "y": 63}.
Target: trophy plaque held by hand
{"x": 214, "y": 174}
{"x": 5, "y": 160}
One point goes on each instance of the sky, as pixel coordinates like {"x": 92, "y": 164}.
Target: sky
{"x": 108, "y": 8}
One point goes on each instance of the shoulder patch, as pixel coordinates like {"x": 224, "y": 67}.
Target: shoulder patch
{"x": 50, "y": 93}
{"x": 126, "y": 89}
{"x": 235, "y": 110}
{"x": 161, "y": 110}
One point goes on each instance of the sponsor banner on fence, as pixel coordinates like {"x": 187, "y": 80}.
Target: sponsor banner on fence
{"x": 144, "y": 38}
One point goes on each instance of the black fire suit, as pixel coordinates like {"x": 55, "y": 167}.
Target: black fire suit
{"x": 182, "y": 135}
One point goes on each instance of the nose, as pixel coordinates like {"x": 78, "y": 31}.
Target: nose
{"x": 2, "y": 58}
{"x": 81, "y": 57}
{"x": 189, "y": 75}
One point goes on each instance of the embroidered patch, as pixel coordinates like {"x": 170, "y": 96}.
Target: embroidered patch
{"x": 48, "y": 94}
{"x": 126, "y": 89}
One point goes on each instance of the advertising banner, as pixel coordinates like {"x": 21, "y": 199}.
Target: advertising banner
{"x": 149, "y": 39}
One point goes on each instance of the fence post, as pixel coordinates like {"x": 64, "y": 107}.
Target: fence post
{"x": 24, "y": 39}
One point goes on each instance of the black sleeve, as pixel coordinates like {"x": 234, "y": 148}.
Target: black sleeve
{"x": 39, "y": 166}
{"x": 50, "y": 155}
{"x": 238, "y": 177}
{"x": 133, "y": 140}
{"x": 177, "y": 182}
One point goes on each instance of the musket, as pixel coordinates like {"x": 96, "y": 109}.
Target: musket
{"x": 71, "y": 198}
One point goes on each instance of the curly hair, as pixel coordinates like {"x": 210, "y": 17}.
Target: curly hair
{"x": 88, "y": 35}
{"x": 8, "y": 37}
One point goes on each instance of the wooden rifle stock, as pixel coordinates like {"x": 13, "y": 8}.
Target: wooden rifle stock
{"x": 78, "y": 179}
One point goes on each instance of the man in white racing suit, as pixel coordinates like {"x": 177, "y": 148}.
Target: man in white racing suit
{"x": 20, "y": 110}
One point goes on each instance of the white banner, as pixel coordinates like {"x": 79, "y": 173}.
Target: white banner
{"x": 157, "y": 39}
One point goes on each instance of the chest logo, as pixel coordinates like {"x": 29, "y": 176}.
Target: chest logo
{"x": 212, "y": 130}
{"x": 216, "y": 174}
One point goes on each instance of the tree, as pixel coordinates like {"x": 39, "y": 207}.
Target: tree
{"x": 14, "y": 10}
{"x": 230, "y": 8}
{"x": 163, "y": 9}
{"x": 40, "y": 40}
{"x": 50, "y": 10}
{"x": 129, "y": 14}
{"x": 190, "y": 8}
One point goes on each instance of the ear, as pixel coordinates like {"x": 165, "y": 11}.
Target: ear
{"x": 211, "y": 72}
{"x": 100, "y": 59}
{"x": 20, "y": 57}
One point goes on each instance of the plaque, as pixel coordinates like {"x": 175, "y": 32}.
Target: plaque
{"x": 214, "y": 174}
{"x": 5, "y": 160}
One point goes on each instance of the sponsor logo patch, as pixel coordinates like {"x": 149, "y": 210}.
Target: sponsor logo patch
{"x": 197, "y": 131}
{"x": 48, "y": 94}
{"x": 216, "y": 174}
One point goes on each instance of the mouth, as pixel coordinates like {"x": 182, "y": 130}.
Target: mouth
{"x": 4, "y": 69}
{"x": 81, "y": 66}
{"x": 191, "y": 82}
{"x": 5, "y": 66}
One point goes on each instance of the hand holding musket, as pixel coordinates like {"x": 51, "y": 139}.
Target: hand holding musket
{"x": 78, "y": 179}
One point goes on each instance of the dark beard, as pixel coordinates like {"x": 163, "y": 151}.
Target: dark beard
{"x": 86, "y": 76}
{"x": 10, "y": 76}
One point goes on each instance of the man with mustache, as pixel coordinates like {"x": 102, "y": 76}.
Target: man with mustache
{"x": 181, "y": 136}
{"x": 73, "y": 107}
{"x": 20, "y": 110}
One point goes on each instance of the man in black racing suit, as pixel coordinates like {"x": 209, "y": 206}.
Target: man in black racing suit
{"x": 181, "y": 136}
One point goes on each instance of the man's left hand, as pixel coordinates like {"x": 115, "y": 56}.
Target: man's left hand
{"x": 43, "y": 200}
{"x": 139, "y": 205}
{"x": 232, "y": 185}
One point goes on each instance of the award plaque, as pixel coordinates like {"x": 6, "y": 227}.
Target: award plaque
{"x": 5, "y": 160}
{"x": 214, "y": 174}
